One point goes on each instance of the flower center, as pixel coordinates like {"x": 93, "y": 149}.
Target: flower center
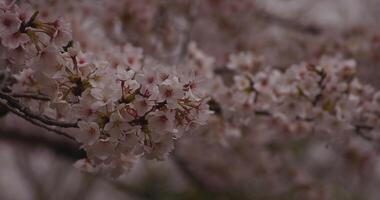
{"x": 7, "y": 22}
{"x": 168, "y": 93}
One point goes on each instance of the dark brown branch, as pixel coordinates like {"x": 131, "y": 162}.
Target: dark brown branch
{"x": 31, "y": 96}
{"x": 35, "y": 122}
{"x": 14, "y": 103}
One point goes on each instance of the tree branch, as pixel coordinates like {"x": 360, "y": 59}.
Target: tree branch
{"x": 27, "y": 113}
{"x": 35, "y": 122}
{"x": 31, "y": 96}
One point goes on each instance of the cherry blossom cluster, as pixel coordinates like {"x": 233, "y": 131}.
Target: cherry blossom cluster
{"x": 309, "y": 124}
{"x": 324, "y": 96}
{"x": 124, "y": 106}
{"x": 83, "y": 80}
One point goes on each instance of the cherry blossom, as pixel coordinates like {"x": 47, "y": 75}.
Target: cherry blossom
{"x": 113, "y": 97}
{"x": 73, "y": 70}
{"x": 90, "y": 132}
{"x": 9, "y": 23}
